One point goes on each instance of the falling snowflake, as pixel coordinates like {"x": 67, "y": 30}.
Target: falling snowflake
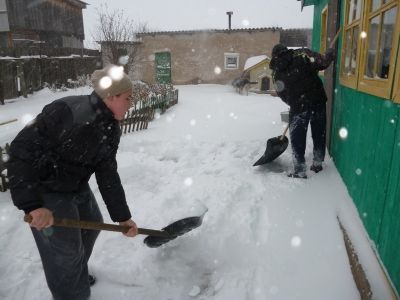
{"x": 5, "y": 157}
{"x": 343, "y": 133}
{"x": 123, "y": 60}
{"x": 116, "y": 72}
{"x": 105, "y": 82}
{"x": 27, "y": 119}
{"x": 363, "y": 34}
{"x": 188, "y": 181}
{"x": 280, "y": 86}
{"x": 295, "y": 241}
{"x": 245, "y": 22}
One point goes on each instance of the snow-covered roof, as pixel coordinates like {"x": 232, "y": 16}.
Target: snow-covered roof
{"x": 210, "y": 31}
{"x": 252, "y": 61}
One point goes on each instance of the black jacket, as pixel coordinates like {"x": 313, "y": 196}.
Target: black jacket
{"x": 295, "y": 74}
{"x": 71, "y": 139}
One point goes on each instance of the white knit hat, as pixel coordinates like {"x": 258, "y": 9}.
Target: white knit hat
{"x": 111, "y": 81}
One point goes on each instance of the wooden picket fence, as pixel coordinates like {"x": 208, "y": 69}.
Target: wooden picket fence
{"x": 23, "y": 76}
{"x": 139, "y": 116}
{"x": 3, "y": 167}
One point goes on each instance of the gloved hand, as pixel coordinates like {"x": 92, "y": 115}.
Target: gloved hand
{"x": 331, "y": 53}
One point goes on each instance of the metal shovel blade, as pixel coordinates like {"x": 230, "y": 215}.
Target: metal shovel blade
{"x": 175, "y": 229}
{"x": 275, "y": 147}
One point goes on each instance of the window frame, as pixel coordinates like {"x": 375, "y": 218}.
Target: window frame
{"x": 379, "y": 87}
{"x": 396, "y": 90}
{"x": 324, "y": 30}
{"x": 231, "y": 55}
{"x": 351, "y": 80}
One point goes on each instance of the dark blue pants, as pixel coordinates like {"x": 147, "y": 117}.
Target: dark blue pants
{"x": 65, "y": 251}
{"x": 316, "y": 116}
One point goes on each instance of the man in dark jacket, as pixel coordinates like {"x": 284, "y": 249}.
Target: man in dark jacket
{"x": 51, "y": 161}
{"x": 295, "y": 75}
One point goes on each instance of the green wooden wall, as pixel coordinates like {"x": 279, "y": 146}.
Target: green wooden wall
{"x": 368, "y": 159}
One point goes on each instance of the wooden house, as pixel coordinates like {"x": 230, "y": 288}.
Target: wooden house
{"x": 51, "y": 23}
{"x": 364, "y": 112}
{"x": 257, "y": 70}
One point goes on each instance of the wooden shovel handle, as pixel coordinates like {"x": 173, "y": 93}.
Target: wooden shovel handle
{"x": 71, "y": 223}
{"x": 335, "y": 38}
{"x": 284, "y": 132}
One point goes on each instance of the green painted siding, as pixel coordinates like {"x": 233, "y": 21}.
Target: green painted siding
{"x": 316, "y": 35}
{"x": 368, "y": 159}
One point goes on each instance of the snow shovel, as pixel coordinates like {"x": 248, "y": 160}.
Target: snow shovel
{"x": 155, "y": 238}
{"x": 275, "y": 147}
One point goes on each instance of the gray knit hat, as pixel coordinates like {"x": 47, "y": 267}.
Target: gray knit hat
{"x": 110, "y": 81}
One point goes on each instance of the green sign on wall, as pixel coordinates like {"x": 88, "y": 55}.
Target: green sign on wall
{"x": 163, "y": 67}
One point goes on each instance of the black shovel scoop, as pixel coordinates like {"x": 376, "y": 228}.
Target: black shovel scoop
{"x": 174, "y": 230}
{"x": 155, "y": 238}
{"x": 275, "y": 147}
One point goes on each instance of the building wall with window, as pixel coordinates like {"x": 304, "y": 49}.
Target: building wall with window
{"x": 365, "y": 134}
{"x": 204, "y": 56}
{"x": 58, "y": 23}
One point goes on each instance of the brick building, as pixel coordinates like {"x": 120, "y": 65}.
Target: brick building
{"x": 203, "y": 56}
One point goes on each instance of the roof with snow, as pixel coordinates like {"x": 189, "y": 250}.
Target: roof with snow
{"x": 211, "y": 31}
{"x": 252, "y": 61}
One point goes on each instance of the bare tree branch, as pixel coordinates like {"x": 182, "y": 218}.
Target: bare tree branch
{"x": 117, "y": 35}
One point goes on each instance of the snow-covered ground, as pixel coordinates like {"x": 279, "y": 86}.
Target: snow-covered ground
{"x": 264, "y": 236}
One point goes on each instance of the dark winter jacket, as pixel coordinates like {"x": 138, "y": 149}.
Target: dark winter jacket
{"x": 295, "y": 74}
{"x": 71, "y": 139}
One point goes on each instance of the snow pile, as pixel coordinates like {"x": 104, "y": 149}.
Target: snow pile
{"x": 264, "y": 236}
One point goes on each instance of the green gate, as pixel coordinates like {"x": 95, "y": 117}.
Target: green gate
{"x": 163, "y": 67}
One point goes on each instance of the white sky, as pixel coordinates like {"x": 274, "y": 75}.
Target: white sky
{"x": 264, "y": 236}
{"x": 204, "y": 14}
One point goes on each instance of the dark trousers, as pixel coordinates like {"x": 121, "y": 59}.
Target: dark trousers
{"x": 298, "y": 124}
{"x": 65, "y": 251}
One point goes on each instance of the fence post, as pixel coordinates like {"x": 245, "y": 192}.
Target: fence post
{"x": 1, "y": 91}
{"x": 21, "y": 80}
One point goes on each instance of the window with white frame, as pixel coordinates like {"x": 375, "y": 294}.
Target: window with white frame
{"x": 231, "y": 61}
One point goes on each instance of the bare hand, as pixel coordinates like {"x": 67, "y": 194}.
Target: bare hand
{"x": 133, "y": 231}
{"x": 41, "y": 218}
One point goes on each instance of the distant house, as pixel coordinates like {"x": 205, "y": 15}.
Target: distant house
{"x": 55, "y": 23}
{"x": 257, "y": 69}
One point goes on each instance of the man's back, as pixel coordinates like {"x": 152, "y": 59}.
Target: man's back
{"x": 296, "y": 78}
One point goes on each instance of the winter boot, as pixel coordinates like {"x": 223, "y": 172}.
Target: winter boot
{"x": 297, "y": 175}
{"x": 316, "y": 167}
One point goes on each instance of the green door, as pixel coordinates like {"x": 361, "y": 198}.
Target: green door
{"x": 163, "y": 67}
